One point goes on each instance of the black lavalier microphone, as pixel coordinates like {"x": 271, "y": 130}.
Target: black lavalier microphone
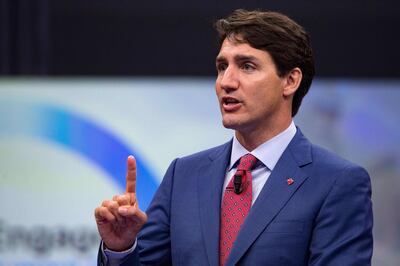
{"x": 237, "y": 183}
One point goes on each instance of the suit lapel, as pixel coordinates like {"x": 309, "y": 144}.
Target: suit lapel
{"x": 209, "y": 184}
{"x": 274, "y": 195}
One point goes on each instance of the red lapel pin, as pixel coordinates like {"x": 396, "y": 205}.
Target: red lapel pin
{"x": 290, "y": 181}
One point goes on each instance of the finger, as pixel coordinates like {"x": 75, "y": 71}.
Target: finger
{"x": 106, "y": 203}
{"x": 131, "y": 175}
{"x": 133, "y": 212}
{"x": 122, "y": 199}
{"x": 112, "y": 207}
{"x": 102, "y": 214}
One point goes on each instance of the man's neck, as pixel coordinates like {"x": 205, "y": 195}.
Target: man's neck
{"x": 251, "y": 139}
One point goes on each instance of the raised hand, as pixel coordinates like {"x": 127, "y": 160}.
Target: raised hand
{"x": 119, "y": 220}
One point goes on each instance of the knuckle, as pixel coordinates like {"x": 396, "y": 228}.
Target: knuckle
{"x": 102, "y": 211}
{"x": 121, "y": 199}
{"x": 116, "y": 197}
{"x": 113, "y": 205}
{"x": 133, "y": 210}
{"x": 132, "y": 200}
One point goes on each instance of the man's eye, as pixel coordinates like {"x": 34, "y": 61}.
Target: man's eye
{"x": 248, "y": 67}
{"x": 221, "y": 67}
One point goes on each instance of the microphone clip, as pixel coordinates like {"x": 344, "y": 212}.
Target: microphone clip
{"x": 237, "y": 183}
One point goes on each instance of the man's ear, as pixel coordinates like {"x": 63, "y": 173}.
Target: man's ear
{"x": 293, "y": 79}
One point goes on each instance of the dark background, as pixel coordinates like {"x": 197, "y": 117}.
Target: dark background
{"x": 358, "y": 39}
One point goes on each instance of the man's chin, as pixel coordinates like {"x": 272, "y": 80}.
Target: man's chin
{"x": 229, "y": 124}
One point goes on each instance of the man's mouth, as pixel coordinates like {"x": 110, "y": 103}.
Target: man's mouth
{"x": 230, "y": 104}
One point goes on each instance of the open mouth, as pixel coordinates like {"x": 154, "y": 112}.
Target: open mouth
{"x": 230, "y": 103}
{"x": 229, "y": 100}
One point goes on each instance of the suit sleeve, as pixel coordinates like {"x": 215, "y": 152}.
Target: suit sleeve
{"x": 343, "y": 228}
{"x": 154, "y": 241}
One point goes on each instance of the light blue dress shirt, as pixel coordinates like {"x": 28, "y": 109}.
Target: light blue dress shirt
{"x": 267, "y": 153}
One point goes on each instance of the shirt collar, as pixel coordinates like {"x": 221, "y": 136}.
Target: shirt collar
{"x": 268, "y": 152}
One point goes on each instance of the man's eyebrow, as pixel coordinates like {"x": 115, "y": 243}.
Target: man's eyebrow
{"x": 237, "y": 58}
{"x": 241, "y": 58}
{"x": 219, "y": 59}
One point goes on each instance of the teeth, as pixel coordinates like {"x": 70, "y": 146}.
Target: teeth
{"x": 231, "y": 101}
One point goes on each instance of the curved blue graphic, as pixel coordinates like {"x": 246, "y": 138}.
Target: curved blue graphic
{"x": 81, "y": 135}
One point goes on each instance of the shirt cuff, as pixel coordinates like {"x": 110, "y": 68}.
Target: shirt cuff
{"x": 115, "y": 258}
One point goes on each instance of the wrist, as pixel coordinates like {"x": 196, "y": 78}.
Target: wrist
{"x": 119, "y": 248}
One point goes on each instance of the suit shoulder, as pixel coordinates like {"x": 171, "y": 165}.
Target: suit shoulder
{"x": 305, "y": 152}
{"x": 331, "y": 161}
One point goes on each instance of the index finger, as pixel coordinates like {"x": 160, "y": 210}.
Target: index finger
{"x": 131, "y": 174}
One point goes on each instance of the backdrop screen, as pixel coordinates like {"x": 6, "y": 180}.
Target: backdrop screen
{"x": 64, "y": 143}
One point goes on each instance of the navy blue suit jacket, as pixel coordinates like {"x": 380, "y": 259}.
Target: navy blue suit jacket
{"x": 323, "y": 218}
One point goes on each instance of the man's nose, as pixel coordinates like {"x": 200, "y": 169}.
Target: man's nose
{"x": 229, "y": 79}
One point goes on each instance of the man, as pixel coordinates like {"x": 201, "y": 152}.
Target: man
{"x": 269, "y": 196}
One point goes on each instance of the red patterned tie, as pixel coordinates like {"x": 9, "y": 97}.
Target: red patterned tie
{"x": 235, "y": 207}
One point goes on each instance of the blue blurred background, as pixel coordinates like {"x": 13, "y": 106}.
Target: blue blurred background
{"x": 85, "y": 83}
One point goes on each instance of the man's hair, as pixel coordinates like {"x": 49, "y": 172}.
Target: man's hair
{"x": 286, "y": 41}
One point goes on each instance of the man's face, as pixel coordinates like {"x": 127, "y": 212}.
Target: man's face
{"x": 249, "y": 90}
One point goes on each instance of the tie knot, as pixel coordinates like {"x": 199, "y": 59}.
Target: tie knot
{"x": 247, "y": 162}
